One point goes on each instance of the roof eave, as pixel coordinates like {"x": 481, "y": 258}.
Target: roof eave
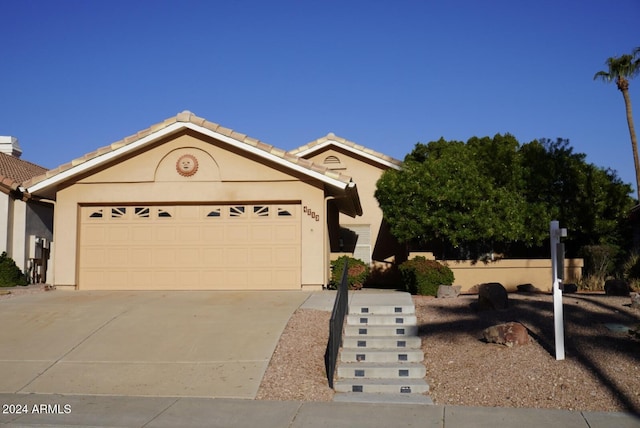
{"x": 54, "y": 180}
{"x": 329, "y": 142}
{"x": 352, "y": 190}
{"x": 348, "y": 200}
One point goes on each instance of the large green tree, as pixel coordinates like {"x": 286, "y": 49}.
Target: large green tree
{"x": 458, "y": 197}
{"x": 464, "y": 199}
{"x": 591, "y": 202}
{"x": 620, "y": 70}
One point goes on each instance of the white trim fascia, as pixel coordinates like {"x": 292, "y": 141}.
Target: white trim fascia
{"x": 351, "y": 149}
{"x": 266, "y": 155}
{"x": 101, "y": 159}
{"x": 98, "y": 160}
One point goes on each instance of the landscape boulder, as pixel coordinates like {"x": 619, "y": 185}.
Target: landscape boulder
{"x": 616, "y": 287}
{"x": 634, "y": 331}
{"x": 509, "y": 334}
{"x": 635, "y": 300}
{"x": 473, "y": 289}
{"x": 492, "y": 296}
{"x": 445, "y": 291}
{"x": 569, "y": 288}
{"x": 528, "y": 288}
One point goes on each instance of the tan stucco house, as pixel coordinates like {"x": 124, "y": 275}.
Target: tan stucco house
{"x": 189, "y": 204}
{"x": 366, "y": 237}
{"x": 26, "y": 226}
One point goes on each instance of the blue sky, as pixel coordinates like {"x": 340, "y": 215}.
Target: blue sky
{"x": 78, "y": 75}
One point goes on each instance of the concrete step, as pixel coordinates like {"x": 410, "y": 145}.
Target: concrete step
{"x": 377, "y": 319}
{"x": 394, "y": 355}
{"x": 380, "y": 361}
{"x": 380, "y": 398}
{"x": 381, "y": 309}
{"x": 384, "y": 386}
{"x": 380, "y": 330}
{"x": 382, "y": 342}
{"x": 381, "y": 370}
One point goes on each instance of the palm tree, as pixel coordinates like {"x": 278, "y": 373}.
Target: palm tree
{"x": 621, "y": 69}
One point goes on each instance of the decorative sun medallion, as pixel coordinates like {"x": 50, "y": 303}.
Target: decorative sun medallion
{"x": 187, "y": 165}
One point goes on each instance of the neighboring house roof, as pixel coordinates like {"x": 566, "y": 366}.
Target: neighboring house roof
{"x": 14, "y": 171}
{"x": 332, "y": 139}
{"x": 187, "y": 120}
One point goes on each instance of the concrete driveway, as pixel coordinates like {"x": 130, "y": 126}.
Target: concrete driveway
{"x": 152, "y": 343}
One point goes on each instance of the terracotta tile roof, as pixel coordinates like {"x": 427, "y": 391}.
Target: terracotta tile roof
{"x": 14, "y": 171}
{"x": 188, "y": 117}
{"x": 356, "y": 147}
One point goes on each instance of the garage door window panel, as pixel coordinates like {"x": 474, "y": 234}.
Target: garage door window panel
{"x": 215, "y": 213}
{"x": 237, "y": 212}
{"x": 283, "y": 212}
{"x": 260, "y": 211}
{"x": 119, "y": 213}
{"x": 163, "y": 213}
{"x": 96, "y": 214}
{"x": 141, "y": 213}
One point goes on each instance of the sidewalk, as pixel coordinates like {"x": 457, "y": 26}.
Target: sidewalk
{"x": 45, "y": 410}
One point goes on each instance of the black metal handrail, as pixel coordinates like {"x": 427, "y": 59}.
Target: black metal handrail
{"x": 335, "y": 325}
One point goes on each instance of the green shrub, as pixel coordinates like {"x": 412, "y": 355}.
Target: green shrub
{"x": 422, "y": 276}
{"x": 358, "y": 272}
{"x": 10, "y": 274}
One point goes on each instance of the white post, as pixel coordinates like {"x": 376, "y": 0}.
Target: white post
{"x": 555, "y": 234}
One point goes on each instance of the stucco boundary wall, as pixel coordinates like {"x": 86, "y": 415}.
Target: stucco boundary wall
{"x": 508, "y": 272}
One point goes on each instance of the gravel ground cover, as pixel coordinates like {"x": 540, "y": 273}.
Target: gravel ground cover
{"x": 296, "y": 370}
{"x": 10, "y": 292}
{"x": 600, "y": 372}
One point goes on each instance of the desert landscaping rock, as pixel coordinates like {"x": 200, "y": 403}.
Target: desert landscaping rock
{"x": 616, "y": 287}
{"x": 528, "y": 288}
{"x": 635, "y": 300}
{"x": 492, "y": 296}
{"x": 448, "y": 291}
{"x": 509, "y": 334}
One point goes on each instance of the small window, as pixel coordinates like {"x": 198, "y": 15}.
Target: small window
{"x": 96, "y": 214}
{"x": 142, "y": 212}
{"x": 236, "y": 211}
{"x": 261, "y": 211}
{"x": 164, "y": 214}
{"x": 284, "y": 213}
{"x": 118, "y": 212}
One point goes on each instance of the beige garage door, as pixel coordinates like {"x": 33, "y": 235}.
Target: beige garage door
{"x": 190, "y": 247}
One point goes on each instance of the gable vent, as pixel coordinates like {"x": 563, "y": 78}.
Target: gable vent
{"x": 333, "y": 162}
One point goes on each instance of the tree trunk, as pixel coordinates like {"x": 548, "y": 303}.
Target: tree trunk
{"x": 634, "y": 142}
